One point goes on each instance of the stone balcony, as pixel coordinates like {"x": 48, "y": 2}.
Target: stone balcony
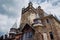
{"x": 37, "y": 22}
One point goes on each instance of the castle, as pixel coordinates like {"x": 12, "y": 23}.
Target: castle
{"x": 36, "y": 25}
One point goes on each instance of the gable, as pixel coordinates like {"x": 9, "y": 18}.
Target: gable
{"x": 27, "y": 28}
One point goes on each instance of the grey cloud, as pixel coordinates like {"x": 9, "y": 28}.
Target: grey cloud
{"x": 11, "y": 9}
{"x": 52, "y": 2}
{"x": 56, "y": 3}
{"x": 8, "y": 4}
{"x": 1, "y": 33}
{"x": 38, "y": 1}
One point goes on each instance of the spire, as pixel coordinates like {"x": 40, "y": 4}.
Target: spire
{"x": 15, "y": 25}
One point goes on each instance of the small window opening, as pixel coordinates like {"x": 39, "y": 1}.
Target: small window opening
{"x": 51, "y": 35}
{"x": 47, "y": 20}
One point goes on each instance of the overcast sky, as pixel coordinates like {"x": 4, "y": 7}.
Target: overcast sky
{"x": 10, "y": 11}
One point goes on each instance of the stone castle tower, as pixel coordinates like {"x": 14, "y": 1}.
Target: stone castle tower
{"x": 36, "y": 25}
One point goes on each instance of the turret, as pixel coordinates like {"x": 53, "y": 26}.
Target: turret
{"x": 13, "y": 31}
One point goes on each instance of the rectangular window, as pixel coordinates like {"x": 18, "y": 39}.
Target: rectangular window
{"x": 51, "y": 35}
{"x": 27, "y": 35}
{"x": 45, "y": 36}
{"x": 47, "y": 20}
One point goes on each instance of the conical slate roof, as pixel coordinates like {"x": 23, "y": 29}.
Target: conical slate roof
{"x": 15, "y": 25}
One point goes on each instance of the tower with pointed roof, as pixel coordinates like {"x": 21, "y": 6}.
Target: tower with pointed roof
{"x": 13, "y": 30}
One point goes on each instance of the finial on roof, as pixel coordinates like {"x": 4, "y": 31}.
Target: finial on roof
{"x": 23, "y": 8}
{"x": 39, "y": 7}
{"x": 30, "y": 4}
